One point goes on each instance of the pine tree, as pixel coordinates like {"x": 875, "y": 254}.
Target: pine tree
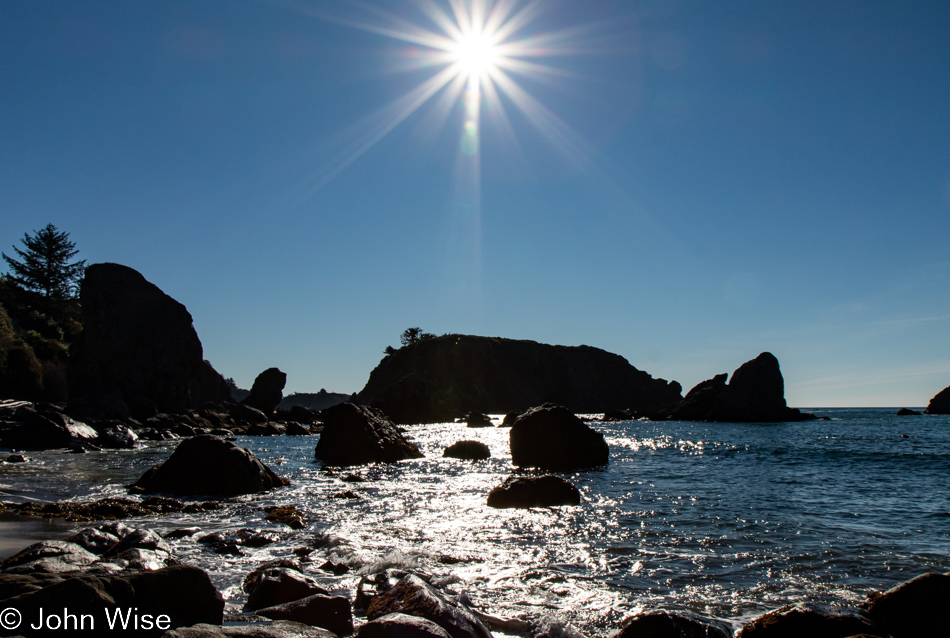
{"x": 45, "y": 267}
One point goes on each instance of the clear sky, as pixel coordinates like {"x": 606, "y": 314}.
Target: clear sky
{"x": 686, "y": 184}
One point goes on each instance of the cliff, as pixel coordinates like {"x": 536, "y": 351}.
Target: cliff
{"x": 440, "y": 378}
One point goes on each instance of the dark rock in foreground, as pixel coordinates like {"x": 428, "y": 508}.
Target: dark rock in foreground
{"x": 916, "y": 608}
{"x": 401, "y": 626}
{"x": 673, "y": 624}
{"x": 276, "y": 629}
{"x": 755, "y": 394}
{"x": 468, "y": 450}
{"x": 413, "y": 596}
{"x": 534, "y": 491}
{"x": 267, "y": 391}
{"x": 435, "y": 380}
{"x": 811, "y": 621}
{"x": 44, "y": 427}
{"x": 330, "y": 612}
{"x": 184, "y": 594}
{"x": 138, "y": 352}
{"x": 207, "y": 464}
{"x": 940, "y": 404}
{"x": 357, "y": 434}
{"x": 552, "y": 437}
{"x": 277, "y": 583}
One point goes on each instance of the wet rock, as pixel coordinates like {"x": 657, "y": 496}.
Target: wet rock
{"x": 49, "y": 557}
{"x": 330, "y": 612}
{"x": 184, "y": 594}
{"x": 532, "y": 491}
{"x": 266, "y": 429}
{"x": 94, "y": 540}
{"x": 138, "y": 347}
{"x": 276, "y": 629}
{"x": 337, "y": 569}
{"x": 295, "y": 429}
{"x": 141, "y": 539}
{"x": 269, "y": 586}
{"x": 288, "y": 515}
{"x": 267, "y": 390}
{"x": 673, "y": 624}
{"x": 247, "y": 415}
{"x": 48, "y": 429}
{"x": 357, "y": 434}
{"x": 206, "y": 464}
{"x": 551, "y": 437}
{"x": 413, "y": 596}
{"x": 117, "y": 436}
{"x": 908, "y": 412}
{"x": 811, "y": 620}
{"x": 915, "y": 608}
{"x": 16, "y": 458}
{"x": 16, "y": 584}
{"x": 401, "y": 626}
{"x": 940, "y": 404}
{"x": 468, "y": 450}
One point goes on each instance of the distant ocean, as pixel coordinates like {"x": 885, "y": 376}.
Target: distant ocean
{"x": 728, "y": 520}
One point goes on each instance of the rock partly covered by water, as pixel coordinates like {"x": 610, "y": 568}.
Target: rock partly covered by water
{"x": 138, "y": 353}
{"x": 357, "y": 434}
{"x": 534, "y": 491}
{"x": 467, "y": 450}
{"x": 756, "y": 393}
{"x": 940, "y": 404}
{"x": 401, "y": 626}
{"x": 438, "y": 379}
{"x": 673, "y": 624}
{"x": 267, "y": 391}
{"x": 552, "y": 437}
{"x": 207, "y": 464}
{"x": 415, "y": 597}
{"x": 28, "y": 426}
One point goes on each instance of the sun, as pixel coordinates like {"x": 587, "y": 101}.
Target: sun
{"x": 476, "y": 54}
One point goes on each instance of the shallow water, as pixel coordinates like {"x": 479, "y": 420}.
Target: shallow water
{"x": 729, "y": 520}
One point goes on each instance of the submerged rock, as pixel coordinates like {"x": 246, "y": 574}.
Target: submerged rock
{"x": 357, "y": 434}
{"x": 673, "y": 624}
{"x": 755, "y": 394}
{"x": 207, "y": 464}
{"x": 940, "y": 404}
{"x": 468, "y": 450}
{"x": 534, "y": 491}
{"x": 413, "y": 596}
{"x": 552, "y": 437}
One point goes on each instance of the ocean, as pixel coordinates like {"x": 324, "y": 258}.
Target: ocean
{"x": 727, "y": 520}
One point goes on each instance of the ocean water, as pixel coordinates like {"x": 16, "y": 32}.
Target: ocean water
{"x": 727, "y": 520}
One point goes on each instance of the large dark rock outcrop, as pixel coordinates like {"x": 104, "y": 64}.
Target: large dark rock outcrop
{"x": 267, "y": 390}
{"x": 812, "y": 620}
{"x": 940, "y": 404}
{"x": 138, "y": 349}
{"x": 207, "y": 464}
{"x": 357, "y": 434}
{"x": 184, "y": 594}
{"x": 756, "y": 393}
{"x": 438, "y": 379}
{"x": 914, "y": 608}
{"x": 551, "y": 437}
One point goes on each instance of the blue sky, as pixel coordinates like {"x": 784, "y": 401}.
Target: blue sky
{"x": 696, "y": 183}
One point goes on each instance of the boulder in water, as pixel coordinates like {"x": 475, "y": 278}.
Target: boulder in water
{"x": 551, "y": 437}
{"x": 915, "y": 608}
{"x": 330, "y": 612}
{"x": 468, "y": 450}
{"x": 413, "y": 596}
{"x": 809, "y": 619}
{"x": 207, "y": 464}
{"x": 534, "y": 491}
{"x": 672, "y": 624}
{"x": 357, "y": 434}
{"x": 401, "y": 626}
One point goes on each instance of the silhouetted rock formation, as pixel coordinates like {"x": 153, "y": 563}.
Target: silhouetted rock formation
{"x": 438, "y": 379}
{"x": 138, "y": 349}
{"x": 913, "y": 608}
{"x": 675, "y": 624}
{"x": 907, "y": 412}
{"x": 534, "y": 491}
{"x": 315, "y": 401}
{"x": 809, "y": 619}
{"x": 756, "y": 394}
{"x": 267, "y": 390}
{"x": 207, "y": 464}
{"x": 467, "y": 450}
{"x": 357, "y": 434}
{"x": 553, "y": 438}
{"x": 940, "y": 404}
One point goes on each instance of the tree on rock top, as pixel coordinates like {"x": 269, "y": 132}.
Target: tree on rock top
{"x": 46, "y": 266}
{"x": 410, "y": 336}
